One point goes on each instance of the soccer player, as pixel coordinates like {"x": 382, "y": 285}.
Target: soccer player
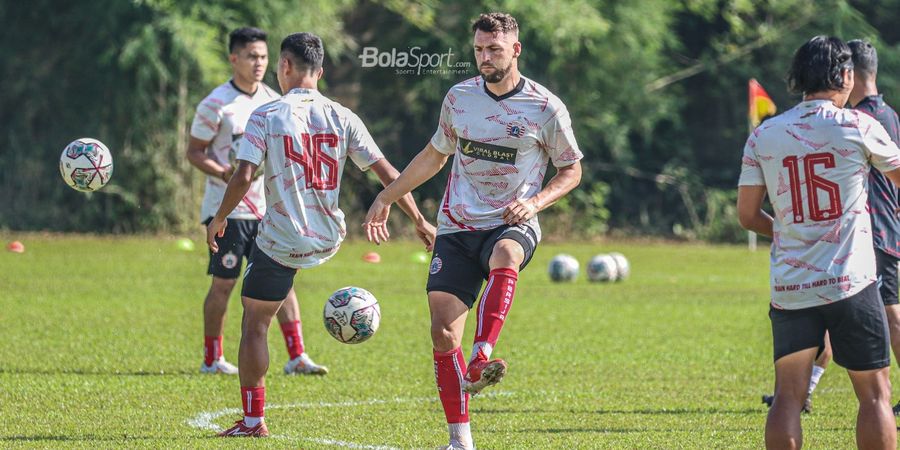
{"x": 884, "y": 202}
{"x": 813, "y": 162}
{"x": 218, "y": 125}
{"x": 304, "y": 139}
{"x": 503, "y": 129}
{"x": 884, "y": 197}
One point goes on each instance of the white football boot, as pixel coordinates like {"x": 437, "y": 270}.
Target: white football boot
{"x": 219, "y": 366}
{"x": 304, "y": 365}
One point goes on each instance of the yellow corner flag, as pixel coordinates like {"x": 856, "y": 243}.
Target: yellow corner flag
{"x": 761, "y": 105}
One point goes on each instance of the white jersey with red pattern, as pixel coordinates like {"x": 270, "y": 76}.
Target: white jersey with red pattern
{"x": 814, "y": 161}
{"x": 304, "y": 140}
{"x": 502, "y": 145}
{"x": 220, "y": 119}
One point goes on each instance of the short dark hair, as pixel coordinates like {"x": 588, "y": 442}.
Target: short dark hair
{"x": 818, "y": 64}
{"x": 865, "y": 58}
{"x": 305, "y": 50}
{"x": 496, "y": 22}
{"x": 237, "y": 39}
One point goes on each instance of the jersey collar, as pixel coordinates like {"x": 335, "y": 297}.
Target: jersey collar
{"x": 516, "y": 90}
{"x": 235, "y": 86}
{"x": 304, "y": 91}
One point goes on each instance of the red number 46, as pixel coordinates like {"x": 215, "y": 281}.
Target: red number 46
{"x": 814, "y": 185}
{"x": 319, "y": 170}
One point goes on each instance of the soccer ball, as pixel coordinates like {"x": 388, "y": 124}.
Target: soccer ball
{"x": 86, "y": 165}
{"x": 563, "y": 267}
{"x": 602, "y": 268}
{"x": 623, "y": 269}
{"x": 352, "y": 315}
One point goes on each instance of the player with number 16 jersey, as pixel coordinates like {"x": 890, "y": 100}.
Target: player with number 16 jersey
{"x": 816, "y": 159}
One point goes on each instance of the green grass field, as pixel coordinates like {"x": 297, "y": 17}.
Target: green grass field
{"x": 102, "y": 341}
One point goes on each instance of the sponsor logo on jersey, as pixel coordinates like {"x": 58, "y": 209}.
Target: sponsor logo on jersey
{"x": 515, "y": 129}
{"x": 436, "y": 265}
{"x": 488, "y": 152}
{"x": 229, "y": 261}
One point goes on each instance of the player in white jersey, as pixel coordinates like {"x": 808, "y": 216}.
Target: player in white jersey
{"x": 504, "y": 130}
{"x": 304, "y": 139}
{"x": 218, "y": 125}
{"x": 813, "y": 161}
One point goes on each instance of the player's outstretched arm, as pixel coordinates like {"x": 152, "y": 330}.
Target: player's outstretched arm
{"x": 750, "y": 212}
{"x": 424, "y": 166}
{"x": 196, "y": 155}
{"x": 234, "y": 193}
{"x": 566, "y": 179}
{"x": 387, "y": 174}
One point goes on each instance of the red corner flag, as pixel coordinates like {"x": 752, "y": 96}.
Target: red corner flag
{"x": 761, "y": 105}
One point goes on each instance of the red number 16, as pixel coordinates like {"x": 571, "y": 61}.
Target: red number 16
{"x": 319, "y": 169}
{"x": 814, "y": 184}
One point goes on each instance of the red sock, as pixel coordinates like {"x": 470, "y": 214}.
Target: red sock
{"x": 212, "y": 349}
{"x": 293, "y": 338}
{"x": 492, "y": 310}
{"x": 254, "y": 401}
{"x": 449, "y": 370}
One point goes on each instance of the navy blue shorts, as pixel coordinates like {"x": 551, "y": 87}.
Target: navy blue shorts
{"x": 234, "y": 246}
{"x": 459, "y": 264}
{"x": 886, "y": 266}
{"x": 857, "y": 327}
{"x": 265, "y": 279}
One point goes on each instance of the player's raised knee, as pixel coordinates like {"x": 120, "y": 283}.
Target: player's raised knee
{"x": 507, "y": 253}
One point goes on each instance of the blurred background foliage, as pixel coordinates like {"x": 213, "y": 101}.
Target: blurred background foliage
{"x": 656, "y": 88}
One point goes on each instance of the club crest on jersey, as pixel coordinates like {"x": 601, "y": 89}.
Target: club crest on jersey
{"x": 436, "y": 265}
{"x": 488, "y": 152}
{"x": 230, "y": 260}
{"x": 515, "y": 129}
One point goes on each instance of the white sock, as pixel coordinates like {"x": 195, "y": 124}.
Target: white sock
{"x": 483, "y": 348}
{"x": 252, "y": 421}
{"x": 817, "y": 373}
{"x": 460, "y": 435}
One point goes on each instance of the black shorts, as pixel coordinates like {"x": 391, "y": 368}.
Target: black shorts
{"x": 265, "y": 279}
{"x": 459, "y": 263}
{"x": 857, "y": 327}
{"x": 233, "y": 247}
{"x": 886, "y": 266}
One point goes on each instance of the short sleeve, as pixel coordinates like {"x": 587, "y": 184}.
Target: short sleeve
{"x": 880, "y": 150}
{"x": 206, "y": 120}
{"x": 361, "y": 148}
{"x": 751, "y": 170}
{"x": 252, "y": 147}
{"x": 558, "y": 138}
{"x": 444, "y": 139}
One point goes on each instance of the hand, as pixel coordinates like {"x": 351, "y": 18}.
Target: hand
{"x": 226, "y": 175}
{"x": 520, "y": 211}
{"x": 376, "y": 221}
{"x": 426, "y": 233}
{"x": 216, "y": 228}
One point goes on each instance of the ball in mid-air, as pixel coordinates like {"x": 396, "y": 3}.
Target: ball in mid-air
{"x": 86, "y": 165}
{"x": 563, "y": 267}
{"x": 352, "y": 315}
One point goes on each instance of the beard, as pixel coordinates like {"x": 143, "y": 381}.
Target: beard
{"x": 497, "y": 76}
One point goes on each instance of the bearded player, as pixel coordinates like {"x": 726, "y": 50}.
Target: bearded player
{"x": 504, "y": 130}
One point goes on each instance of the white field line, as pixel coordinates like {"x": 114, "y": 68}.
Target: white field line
{"x": 206, "y": 420}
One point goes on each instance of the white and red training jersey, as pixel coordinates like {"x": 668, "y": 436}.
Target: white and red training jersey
{"x": 814, "y": 161}
{"x": 220, "y": 119}
{"x": 502, "y": 146}
{"x": 304, "y": 140}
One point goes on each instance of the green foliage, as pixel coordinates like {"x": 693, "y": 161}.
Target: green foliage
{"x": 656, "y": 89}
